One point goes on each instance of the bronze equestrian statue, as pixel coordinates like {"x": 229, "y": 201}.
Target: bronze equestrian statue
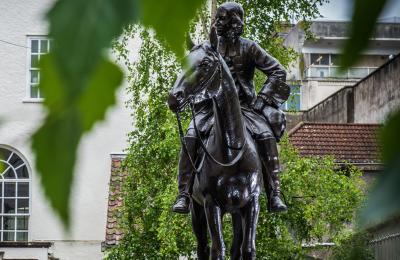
{"x": 232, "y": 137}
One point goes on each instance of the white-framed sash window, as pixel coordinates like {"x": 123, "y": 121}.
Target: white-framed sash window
{"x": 38, "y": 46}
{"x": 14, "y": 196}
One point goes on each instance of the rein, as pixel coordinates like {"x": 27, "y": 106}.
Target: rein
{"x": 202, "y": 145}
{"x": 231, "y": 163}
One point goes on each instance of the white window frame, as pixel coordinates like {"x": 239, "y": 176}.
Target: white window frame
{"x": 16, "y": 180}
{"x": 28, "y": 98}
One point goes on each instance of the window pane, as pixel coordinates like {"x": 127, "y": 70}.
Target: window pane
{"x": 23, "y": 206}
{"x": 335, "y": 59}
{"x": 358, "y": 72}
{"x": 22, "y": 236}
{"x": 9, "y": 206}
{"x": 319, "y": 59}
{"x": 1, "y": 205}
{"x": 15, "y": 161}
{"x": 4, "y": 154}
{"x": 22, "y": 173}
{"x": 319, "y": 72}
{"x": 337, "y": 73}
{"x": 8, "y": 236}
{"x": 43, "y": 46}
{"x": 22, "y": 223}
{"x": 9, "y": 189}
{"x": 9, "y": 174}
{"x": 34, "y": 61}
{"x": 34, "y": 46}
{"x": 34, "y": 76}
{"x": 8, "y": 223}
{"x": 23, "y": 189}
{"x": 3, "y": 168}
{"x": 34, "y": 91}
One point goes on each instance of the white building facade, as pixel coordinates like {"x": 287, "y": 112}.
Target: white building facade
{"x": 29, "y": 228}
{"x": 317, "y": 70}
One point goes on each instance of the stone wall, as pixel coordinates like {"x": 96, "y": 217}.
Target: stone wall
{"x": 338, "y": 108}
{"x": 378, "y": 95}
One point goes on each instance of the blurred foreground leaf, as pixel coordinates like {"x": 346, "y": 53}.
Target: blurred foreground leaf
{"x": 170, "y": 20}
{"x": 384, "y": 200}
{"x": 57, "y": 139}
{"x": 365, "y": 15}
{"x": 79, "y": 83}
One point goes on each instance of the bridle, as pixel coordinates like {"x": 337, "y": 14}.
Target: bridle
{"x": 190, "y": 100}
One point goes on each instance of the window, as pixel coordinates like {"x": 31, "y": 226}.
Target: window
{"x": 319, "y": 59}
{"x": 39, "y": 46}
{"x": 327, "y": 66}
{"x": 293, "y": 102}
{"x": 14, "y": 197}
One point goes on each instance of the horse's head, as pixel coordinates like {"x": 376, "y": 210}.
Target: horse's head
{"x": 202, "y": 73}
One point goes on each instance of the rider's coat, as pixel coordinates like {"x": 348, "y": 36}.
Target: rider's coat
{"x": 243, "y": 58}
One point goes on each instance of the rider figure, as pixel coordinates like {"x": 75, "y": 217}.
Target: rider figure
{"x": 261, "y": 114}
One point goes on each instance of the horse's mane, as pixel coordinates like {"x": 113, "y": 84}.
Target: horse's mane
{"x": 206, "y": 46}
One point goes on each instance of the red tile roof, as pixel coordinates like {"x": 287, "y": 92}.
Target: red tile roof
{"x": 354, "y": 143}
{"x": 113, "y": 233}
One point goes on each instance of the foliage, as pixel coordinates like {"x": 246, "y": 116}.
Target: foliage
{"x": 79, "y": 82}
{"x": 353, "y": 246}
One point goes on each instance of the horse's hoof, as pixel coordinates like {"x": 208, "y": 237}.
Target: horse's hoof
{"x": 181, "y": 205}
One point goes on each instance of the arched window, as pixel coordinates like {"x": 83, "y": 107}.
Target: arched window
{"x": 14, "y": 196}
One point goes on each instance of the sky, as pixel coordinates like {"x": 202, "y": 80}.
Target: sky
{"x": 342, "y": 9}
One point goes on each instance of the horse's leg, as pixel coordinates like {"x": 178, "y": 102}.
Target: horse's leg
{"x": 214, "y": 221}
{"x": 250, "y": 217}
{"x": 236, "y": 249}
{"x": 199, "y": 225}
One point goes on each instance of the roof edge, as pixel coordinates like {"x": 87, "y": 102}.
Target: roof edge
{"x": 295, "y": 128}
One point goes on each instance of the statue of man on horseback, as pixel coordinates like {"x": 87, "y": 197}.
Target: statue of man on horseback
{"x": 261, "y": 113}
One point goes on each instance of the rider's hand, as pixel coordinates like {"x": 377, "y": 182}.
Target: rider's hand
{"x": 259, "y": 104}
{"x": 174, "y": 102}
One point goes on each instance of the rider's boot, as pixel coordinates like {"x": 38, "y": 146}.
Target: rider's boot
{"x": 185, "y": 171}
{"x": 268, "y": 153}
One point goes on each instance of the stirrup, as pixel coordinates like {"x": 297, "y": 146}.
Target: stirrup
{"x": 279, "y": 207}
{"x": 181, "y": 204}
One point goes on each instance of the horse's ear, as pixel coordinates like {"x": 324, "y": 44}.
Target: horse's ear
{"x": 214, "y": 38}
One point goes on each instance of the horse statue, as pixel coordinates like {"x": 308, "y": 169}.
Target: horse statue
{"x": 229, "y": 175}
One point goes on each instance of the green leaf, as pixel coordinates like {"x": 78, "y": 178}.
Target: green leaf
{"x": 389, "y": 138}
{"x": 79, "y": 84}
{"x": 82, "y": 30}
{"x": 99, "y": 94}
{"x": 54, "y": 144}
{"x": 170, "y": 20}
{"x": 383, "y": 201}
{"x": 366, "y": 13}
